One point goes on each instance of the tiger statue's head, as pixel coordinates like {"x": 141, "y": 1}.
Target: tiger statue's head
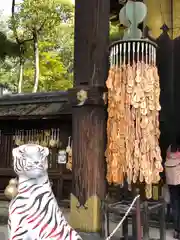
{"x": 30, "y": 160}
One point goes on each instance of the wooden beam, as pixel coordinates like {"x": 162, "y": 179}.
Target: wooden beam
{"x": 91, "y": 42}
{"x": 89, "y": 116}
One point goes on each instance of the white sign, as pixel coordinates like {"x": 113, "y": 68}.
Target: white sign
{"x": 62, "y": 157}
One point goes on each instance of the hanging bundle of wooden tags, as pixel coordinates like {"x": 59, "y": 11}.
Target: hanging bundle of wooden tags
{"x": 69, "y": 153}
{"x": 133, "y": 150}
{"x": 44, "y": 137}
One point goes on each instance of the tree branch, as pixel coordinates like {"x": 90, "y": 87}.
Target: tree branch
{"x": 41, "y": 27}
{"x": 20, "y": 42}
{"x": 13, "y": 22}
{"x": 27, "y": 40}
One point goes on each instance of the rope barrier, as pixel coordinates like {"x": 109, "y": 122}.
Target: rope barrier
{"x": 122, "y": 220}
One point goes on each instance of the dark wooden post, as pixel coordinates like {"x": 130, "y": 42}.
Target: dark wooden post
{"x": 89, "y": 113}
{"x": 162, "y": 220}
{"x": 145, "y": 221}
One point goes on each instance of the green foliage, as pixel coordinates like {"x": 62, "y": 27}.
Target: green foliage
{"x": 7, "y": 46}
{"x": 116, "y": 32}
{"x": 53, "y": 20}
{"x": 65, "y": 45}
{"x": 8, "y": 73}
{"x": 9, "y": 51}
{"x": 53, "y": 74}
{"x": 41, "y": 15}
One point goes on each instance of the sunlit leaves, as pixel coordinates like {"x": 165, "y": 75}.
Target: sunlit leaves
{"x": 53, "y": 74}
{"x": 116, "y": 32}
{"x": 42, "y": 15}
{"x": 53, "y": 21}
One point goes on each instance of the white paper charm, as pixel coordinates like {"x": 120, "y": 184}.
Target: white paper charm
{"x": 62, "y": 157}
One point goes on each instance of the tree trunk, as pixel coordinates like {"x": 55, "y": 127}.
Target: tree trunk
{"x": 21, "y": 48}
{"x": 21, "y": 68}
{"x": 36, "y": 61}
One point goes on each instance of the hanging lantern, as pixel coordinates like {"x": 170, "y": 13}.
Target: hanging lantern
{"x": 133, "y": 150}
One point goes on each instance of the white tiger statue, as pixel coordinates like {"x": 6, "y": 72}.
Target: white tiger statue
{"x": 34, "y": 213}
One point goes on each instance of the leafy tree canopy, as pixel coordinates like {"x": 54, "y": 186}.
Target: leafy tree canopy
{"x": 54, "y": 21}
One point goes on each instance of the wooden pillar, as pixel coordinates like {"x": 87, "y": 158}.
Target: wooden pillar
{"x": 89, "y": 113}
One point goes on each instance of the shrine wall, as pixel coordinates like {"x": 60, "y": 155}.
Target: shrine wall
{"x": 50, "y": 133}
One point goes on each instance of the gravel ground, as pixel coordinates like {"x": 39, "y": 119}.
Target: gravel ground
{"x": 154, "y": 233}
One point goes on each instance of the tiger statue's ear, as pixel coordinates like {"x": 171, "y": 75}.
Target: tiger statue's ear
{"x": 15, "y": 152}
{"x": 46, "y": 151}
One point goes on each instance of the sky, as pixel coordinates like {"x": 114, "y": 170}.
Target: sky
{"x": 5, "y": 5}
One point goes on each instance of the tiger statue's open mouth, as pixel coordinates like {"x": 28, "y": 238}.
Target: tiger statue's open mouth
{"x": 35, "y": 168}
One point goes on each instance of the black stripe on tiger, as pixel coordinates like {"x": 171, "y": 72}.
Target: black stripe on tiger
{"x": 39, "y": 197}
{"x": 45, "y": 209}
{"x": 20, "y": 234}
